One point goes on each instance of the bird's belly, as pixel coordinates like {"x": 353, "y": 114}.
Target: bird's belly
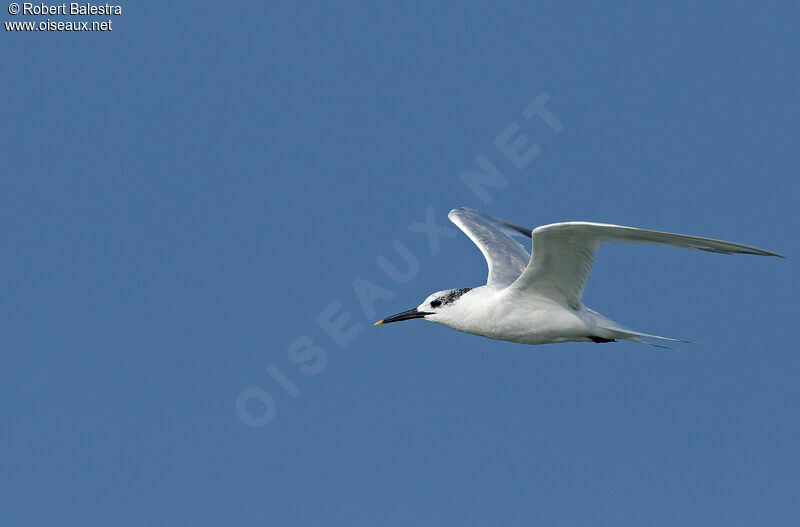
{"x": 540, "y": 325}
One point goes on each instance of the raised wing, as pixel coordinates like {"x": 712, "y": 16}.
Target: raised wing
{"x": 563, "y": 254}
{"x": 506, "y": 257}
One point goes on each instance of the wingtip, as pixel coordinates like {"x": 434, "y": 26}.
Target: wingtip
{"x": 763, "y": 252}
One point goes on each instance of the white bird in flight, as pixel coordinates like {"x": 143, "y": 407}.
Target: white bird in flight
{"x": 536, "y": 299}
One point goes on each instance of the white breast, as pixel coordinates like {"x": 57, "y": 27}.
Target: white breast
{"x": 489, "y": 312}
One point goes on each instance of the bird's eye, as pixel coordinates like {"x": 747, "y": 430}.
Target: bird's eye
{"x": 436, "y": 303}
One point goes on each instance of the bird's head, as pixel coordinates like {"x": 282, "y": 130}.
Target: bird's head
{"x": 433, "y": 308}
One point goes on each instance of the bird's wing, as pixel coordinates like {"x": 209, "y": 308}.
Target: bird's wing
{"x": 563, "y": 254}
{"x": 506, "y": 257}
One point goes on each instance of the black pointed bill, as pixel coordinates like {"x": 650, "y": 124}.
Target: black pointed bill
{"x": 405, "y": 315}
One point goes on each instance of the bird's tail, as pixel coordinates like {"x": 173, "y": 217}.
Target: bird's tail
{"x": 618, "y": 332}
{"x": 638, "y": 339}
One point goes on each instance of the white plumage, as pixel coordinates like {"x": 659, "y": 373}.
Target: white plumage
{"x": 537, "y": 299}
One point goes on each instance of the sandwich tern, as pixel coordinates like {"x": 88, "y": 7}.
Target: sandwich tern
{"x": 536, "y": 299}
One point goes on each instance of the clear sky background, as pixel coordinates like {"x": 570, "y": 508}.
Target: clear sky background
{"x": 182, "y": 197}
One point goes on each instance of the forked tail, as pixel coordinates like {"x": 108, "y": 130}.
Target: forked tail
{"x": 611, "y": 329}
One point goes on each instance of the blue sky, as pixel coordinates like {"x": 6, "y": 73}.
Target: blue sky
{"x": 184, "y": 197}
